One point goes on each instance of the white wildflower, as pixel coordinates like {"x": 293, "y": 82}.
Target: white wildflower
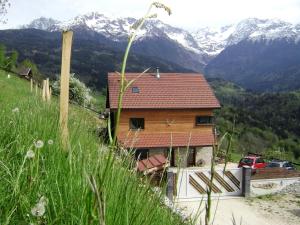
{"x": 30, "y": 154}
{"x": 50, "y": 142}
{"x": 8, "y": 76}
{"x": 39, "y": 144}
{"x": 15, "y": 110}
{"x": 40, "y": 208}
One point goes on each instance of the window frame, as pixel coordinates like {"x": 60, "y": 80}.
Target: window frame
{"x": 136, "y": 118}
{"x": 211, "y": 118}
{"x": 135, "y": 90}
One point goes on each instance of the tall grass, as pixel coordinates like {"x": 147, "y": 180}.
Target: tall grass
{"x": 72, "y": 185}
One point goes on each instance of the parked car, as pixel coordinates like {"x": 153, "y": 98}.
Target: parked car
{"x": 254, "y": 161}
{"x": 281, "y": 163}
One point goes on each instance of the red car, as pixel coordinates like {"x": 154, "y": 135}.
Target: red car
{"x": 254, "y": 161}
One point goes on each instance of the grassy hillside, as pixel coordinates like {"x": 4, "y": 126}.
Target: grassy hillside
{"x": 40, "y": 184}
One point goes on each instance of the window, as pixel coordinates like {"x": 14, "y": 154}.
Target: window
{"x": 246, "y": 161}
{"x": 135, "y": 90}
{"x": 202, "y": 120}
{"x": 141, "y": 154}
{"x": 273, "y": 165}
{"x": 260, "y": 160}
{"x": 136, "y": 123}
{"x": 191, "y": 157}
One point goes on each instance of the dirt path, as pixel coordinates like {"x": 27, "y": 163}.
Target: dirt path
{"x": 284, "y": 210}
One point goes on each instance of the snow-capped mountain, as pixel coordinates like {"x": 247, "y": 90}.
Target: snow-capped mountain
{"x": 206, "y": 42}
{"x": 118, "y": 29}
{"x": 215, "y": 40}
{"x": 255, "y": 53}
{"x": 42, "y": 24}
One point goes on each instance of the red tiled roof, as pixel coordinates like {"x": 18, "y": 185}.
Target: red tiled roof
{"x": 155, "y": 162}
{"x": 170, "y": 91}
{"x": 156, "y": 140}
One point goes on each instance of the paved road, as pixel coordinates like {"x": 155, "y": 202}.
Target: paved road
{"x": 245, "y": 213}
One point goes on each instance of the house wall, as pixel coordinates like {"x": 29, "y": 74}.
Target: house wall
{"x": 166, "y": 120}
{"x": 203, "y": 156}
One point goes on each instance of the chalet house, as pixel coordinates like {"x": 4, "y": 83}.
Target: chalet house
{"x": 169, "y": 114}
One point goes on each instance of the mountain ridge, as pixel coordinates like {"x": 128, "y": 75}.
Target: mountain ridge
{"x": 247, "y": 53}
{"x": 204, "y": 41}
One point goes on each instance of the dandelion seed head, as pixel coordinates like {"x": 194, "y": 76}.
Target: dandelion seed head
{"x": 50, "y": 142}
{"x": 39, "y": 144}
{"x": 15, "y": 110}
{"x": 40, "y": 208}
{"x": 30, "y": 154}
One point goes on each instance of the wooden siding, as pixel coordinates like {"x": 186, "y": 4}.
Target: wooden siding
{"x": 166, "y": 120}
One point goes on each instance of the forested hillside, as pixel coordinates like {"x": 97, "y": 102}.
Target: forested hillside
{"x": 92, "y": 57}
{"x": 265, "y": 123}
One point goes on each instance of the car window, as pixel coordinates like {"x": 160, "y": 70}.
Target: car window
{"x": 246, "y": 160}
{"x": 260, "y": 160}
{"x": 287, "y": 165}
{"x": 274, "y": 165}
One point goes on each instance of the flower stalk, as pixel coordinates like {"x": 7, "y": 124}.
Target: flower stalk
{"x": 124, "y": 84}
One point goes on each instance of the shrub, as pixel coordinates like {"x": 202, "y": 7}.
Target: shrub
{"x": 78, "y": 92}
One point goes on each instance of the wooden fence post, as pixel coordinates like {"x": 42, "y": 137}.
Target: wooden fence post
{"x": 44, "y": 90}
{"x": 47, "y": 90}
{"x": 64, "y": 87}
{"x": 36, "y": 88}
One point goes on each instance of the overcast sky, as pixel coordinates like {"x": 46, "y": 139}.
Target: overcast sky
{"x": 189, "y": 14}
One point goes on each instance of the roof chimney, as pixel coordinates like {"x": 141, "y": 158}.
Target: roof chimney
{"x": 157, "y": 73}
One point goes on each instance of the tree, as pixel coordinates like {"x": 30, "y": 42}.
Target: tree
{"x": 11, "y": 61}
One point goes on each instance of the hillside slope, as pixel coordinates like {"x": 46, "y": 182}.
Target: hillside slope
{"x": 267, "y": 123}
{"x": 41, "y": 184}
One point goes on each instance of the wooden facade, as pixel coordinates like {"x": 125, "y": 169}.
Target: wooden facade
{"x": 166, "y": 120}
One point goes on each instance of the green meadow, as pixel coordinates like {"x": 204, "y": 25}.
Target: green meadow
{"x": 42, "y": 184}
